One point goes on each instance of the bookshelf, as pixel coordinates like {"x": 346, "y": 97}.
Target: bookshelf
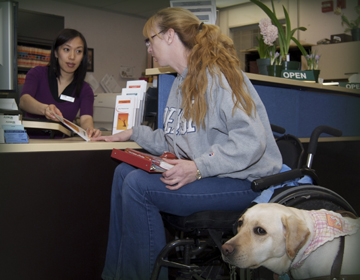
{"x": 29, "y": 57}
{"x": 36, "y": 32}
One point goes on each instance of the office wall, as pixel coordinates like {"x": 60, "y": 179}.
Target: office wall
{"x": 322, "y": 25}
{"x": 116, "y": 39}
{"x": 305, "y": 13}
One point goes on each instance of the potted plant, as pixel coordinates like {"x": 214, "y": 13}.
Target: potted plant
{"x": 352, "y": 25}
{"x": 262, "y": 48}
{"x": 286, "y": 36}
{"x": 312, "y": 64}
{"x": 312, "y": 60}
{"x": 266, "y": 44}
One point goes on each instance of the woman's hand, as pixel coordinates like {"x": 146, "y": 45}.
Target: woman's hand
{"x": 118, "y": 137}
{"x": 93, "y": 132}
{"x": 49, "y": 112}
{"x": 31, "y": 105}
{"x": 183, "y": 173}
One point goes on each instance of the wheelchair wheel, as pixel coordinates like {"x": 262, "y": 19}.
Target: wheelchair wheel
{"x": 310, "y": 197}
{"x": 206, "y": 262}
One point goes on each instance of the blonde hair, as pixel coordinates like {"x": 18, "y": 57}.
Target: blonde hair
{"x": 210, "y": 50}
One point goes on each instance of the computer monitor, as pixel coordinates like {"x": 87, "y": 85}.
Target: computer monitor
{"x": 8, "y": 49}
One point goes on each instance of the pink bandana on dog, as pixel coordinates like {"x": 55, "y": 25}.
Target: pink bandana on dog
{"x": 327, "y": 225}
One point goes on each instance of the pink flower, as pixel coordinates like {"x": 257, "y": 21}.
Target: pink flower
{"x": 264, "y": 23}
{"x": 271, "y": 35}
{"x": 268, "y": 31}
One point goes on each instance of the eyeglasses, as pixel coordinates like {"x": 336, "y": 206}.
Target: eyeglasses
{"x": 147, "y": 40}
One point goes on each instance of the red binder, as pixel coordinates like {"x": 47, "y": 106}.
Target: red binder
{"x": 145, "y": 161}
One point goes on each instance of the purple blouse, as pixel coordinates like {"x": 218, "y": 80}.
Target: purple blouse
{"x": 37, "y": 85}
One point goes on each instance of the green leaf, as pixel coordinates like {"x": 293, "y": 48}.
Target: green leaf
{"x": 301, "y": 48}
{"x": 298, "y": 28}
{"x": 275, "y": 21}
{"x": 288, "y": 30}
{"x": 357, "y": 22}
{"x": 357, "y": 8}
{"x": 284, "y": 37}
{"x": 345, "y": 20}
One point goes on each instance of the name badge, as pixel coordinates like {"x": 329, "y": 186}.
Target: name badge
{"x": 67, "y": 98}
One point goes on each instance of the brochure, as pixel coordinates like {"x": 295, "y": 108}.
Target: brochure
{"x": 77, "y": 129}
{"x": 124, "y": 113}
{"x": 139, "y": 103}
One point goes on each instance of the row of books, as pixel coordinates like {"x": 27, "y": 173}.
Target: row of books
{"x": 29, "y": 57}
{"x": 21, "y": 79}
{"x": 129, "y": 106}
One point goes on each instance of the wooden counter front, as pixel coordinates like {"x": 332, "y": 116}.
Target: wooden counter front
{"x": 54, "y": 207}
{"x": 66, "y": 144}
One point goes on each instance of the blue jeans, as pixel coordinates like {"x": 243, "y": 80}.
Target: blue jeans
{"x": 136, "y": 232}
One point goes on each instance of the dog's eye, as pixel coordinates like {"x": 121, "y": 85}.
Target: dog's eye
{"x": 240, "y": 223}
{"x": 259, "y": 231}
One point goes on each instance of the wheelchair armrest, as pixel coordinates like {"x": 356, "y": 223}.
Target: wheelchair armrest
{"x": 276, "y": 179}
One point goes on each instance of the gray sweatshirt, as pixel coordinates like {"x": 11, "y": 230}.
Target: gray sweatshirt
{"x": 236, "y": 146}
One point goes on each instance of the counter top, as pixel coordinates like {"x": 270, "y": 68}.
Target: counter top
{"x": 268, "y": 80}
{"x": 66, "y": 144}
{"x": 300, "y": 84}
{"x": 77, "y": 144}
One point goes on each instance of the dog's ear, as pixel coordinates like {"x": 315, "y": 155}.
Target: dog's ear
{"x": 296, "y": 234}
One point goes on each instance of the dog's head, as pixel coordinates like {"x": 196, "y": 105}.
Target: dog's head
{"x": 268, "y": 235}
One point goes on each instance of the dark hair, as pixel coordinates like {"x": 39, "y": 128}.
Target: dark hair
{"x": 64, "y": 36}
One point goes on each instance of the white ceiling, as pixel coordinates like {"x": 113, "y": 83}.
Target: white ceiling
{"x": 138, "y": 8}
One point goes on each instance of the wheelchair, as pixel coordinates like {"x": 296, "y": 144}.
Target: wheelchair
{"x": 194, "y": 252}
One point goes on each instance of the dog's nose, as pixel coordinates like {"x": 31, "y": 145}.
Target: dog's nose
{"x": 227, "y": 249}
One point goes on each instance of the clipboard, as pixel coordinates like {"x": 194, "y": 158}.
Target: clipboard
{"x": 144, "y": 161}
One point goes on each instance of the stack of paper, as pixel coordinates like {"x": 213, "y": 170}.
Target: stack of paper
{"x": 11, "y": 130}
{"x": 8, "y": 104}
{"x": 129, "y": 106}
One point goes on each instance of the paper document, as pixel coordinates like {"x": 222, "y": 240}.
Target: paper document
{"x": 124, "y": 114}
{"x": 77, "y": 129}
{"x": 8, "y": 104}
{"x": 139, "y": 103}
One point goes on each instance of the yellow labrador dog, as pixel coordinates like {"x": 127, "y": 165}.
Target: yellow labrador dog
{"x": 285, "y": 239}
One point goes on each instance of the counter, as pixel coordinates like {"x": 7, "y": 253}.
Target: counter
{"x": 66, "y": 144}
{"x": 274, "y": 81}
{"x": 54, "y": 208}
{"x": 297, "y": 106}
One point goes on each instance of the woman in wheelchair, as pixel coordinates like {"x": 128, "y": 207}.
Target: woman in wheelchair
{"x": 216, "y": 125}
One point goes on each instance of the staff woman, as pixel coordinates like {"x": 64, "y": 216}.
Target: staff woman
{"x": 60, "y": 86}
